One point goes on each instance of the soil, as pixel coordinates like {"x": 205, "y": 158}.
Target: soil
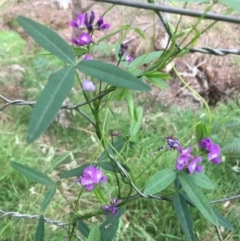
{"x": 215, "y": 78}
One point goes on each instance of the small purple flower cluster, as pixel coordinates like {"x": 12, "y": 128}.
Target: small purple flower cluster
{"x": 112, "y": 208}
{"x": 83, "y": 21}
{"x": 123, "y": 50}
{"x": 91, "y": 176}
{"x": 187, "y": 160}
{"x": 213, "y": 150}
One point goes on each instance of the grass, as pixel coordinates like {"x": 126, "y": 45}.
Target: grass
{"x": 61, "y": 149}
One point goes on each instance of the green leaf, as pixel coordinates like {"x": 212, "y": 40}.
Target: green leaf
{"x": 110, "y": 226}
{"x": 94, "y": 234}
{"x": 136, "y": 125}
{"x": 79, "y": 51}
{"x": 184, "y": 215}
{"x": 83, "y": 228}
{"x": 120, "y": 29}
{"x": 160, "y": 181}
{"x": 99, "y": 195}
{"x": 157, "y": 82}
{"x": 78, "y": 171}
{"x": 139, "y": 32}
{"x": 48, "y": 39}
{"x": 32, "y": 174}
{"x": 202, "y": 180}
{"x": 131, "y": 106}
{"x": 144, "y": 59}
{"x": 39, "y": 234}
{"x": 48, "y": 198}
{"x": 223, "y": 221}
{"x": 112, "y": 75}
{"x": 202, "y": 131}
{"x": 50, "y": 101}
{"x": 196, "y": 196}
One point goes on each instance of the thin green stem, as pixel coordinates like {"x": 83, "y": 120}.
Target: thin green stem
{"x": 196, "y": 93}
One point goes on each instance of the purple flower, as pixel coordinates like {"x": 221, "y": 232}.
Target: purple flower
{"x": 206, "y": 143}
{"x": 89, "y": 22}
{"x": 112, "y": 208}
{"x": 83, "y": 21}
{"x": 80, "y": 22}
{"x": 101, "y": 25}
{"x": 213, "y": 150}
{"x": 83, "y": 39}
{"x": 183, "y": 158}
{"x": 91, "y": 176}
{"x": 129, "y": 58}
{"x": 172, "y": 143}
{"x": 216, "y": 160}
{"x": 194, "y": 166}
{"x": 87, "y": 57}
{"x": 88, "y": 85}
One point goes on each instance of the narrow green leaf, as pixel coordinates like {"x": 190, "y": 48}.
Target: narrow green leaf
{"x": 184, "y": 215}
{"x": 94, "y": 234}
{"x": 160, "y": 181}
{"x": 110, "y": 226}
{"x": 99, "y": 195}
{"x": 48, "y": 198}
{"x": 50, "y": 101}
{"x": 144, "y": 59}
{"x": 223, "y": 221}
{"x": 196, "y": 196}
{"x": 130, "y": 102}
{"x": 78, "y": 171}
{"x": 200, "y": 131}
{"x": 32, "y": 174}
{"x": 112, "y": 75}
{"x": 39, "y": 234}
{"x": 83, "y": 228}
{"x": 136, "y": 125}
{"x": 159, "y": 83}
{"x": 202, "y": 180}
{"x": 48, "y": 39}
{"x": 139, "y": 32}
{"x": 120, "y": 29}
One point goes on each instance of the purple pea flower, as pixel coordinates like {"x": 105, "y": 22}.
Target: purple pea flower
{"x": 89, "y": 22}
{"x": 87, "y": 57}
{"x": 184, "y": 158}
{"x": 80, "y": 22}
{"x": 101, "y": 25}
{"x": 88, "y": 85}
{"x": 91, "y": 176}
{"x": 206, "y": 143}
{"x": 194, "y": 166}
{"x": 83, "y": 39}
{"x": 129, "y": 58}
{"x": 173, "y": 143}
{"x": 112, "y": 208}
{"x": 213, "y": 150}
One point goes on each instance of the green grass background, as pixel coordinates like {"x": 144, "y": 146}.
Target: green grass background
{"x": 61, "y": 149}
